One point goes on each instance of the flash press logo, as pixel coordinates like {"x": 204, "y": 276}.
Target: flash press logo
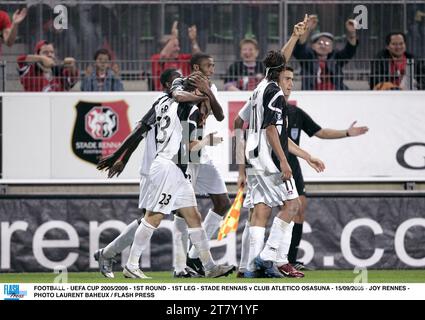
{"x": 13, "y": 292}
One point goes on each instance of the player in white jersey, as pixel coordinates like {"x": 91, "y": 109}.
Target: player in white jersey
{"x": 205, "y": 176}
{"x": 270, "y": 178}
{"x": 169, "y": 188}
{"x": 116, "y": 162}
{"x": 272, "y": 184}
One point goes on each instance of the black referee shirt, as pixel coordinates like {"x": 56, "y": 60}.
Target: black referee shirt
{"x": 299, "y": 120}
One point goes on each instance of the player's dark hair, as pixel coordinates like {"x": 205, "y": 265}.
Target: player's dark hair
{"x": 102, "y": 51}
{"x": 274, "y": 62}
{"x": 197, "y": 59}
{"x": 394, "y": 33}
{"x": 288, "y": 68}
{"x": 167, "y": 75}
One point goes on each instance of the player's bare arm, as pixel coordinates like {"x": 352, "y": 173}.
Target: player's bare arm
{"x": 209, "y": 140}
{"x": 352, "y": 131}
{"x": 121, "y": 156}
{"x": 299, "y": 29}
{"x": 314, "y": 162}
{"x": 273, "y": 138}
{"x": 312, "y": 22}
{"x": 240, "y": 151}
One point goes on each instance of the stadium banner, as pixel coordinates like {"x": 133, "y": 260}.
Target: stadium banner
{"x": 44, "y": 233}
{"x": 60, "y": 136}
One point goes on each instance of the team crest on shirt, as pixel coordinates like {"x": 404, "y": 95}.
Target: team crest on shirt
{"x": 294, "y": 133}
{"x": 99, "y": 129}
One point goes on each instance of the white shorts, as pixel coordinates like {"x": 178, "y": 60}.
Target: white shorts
{"x": 168, "y": 188}
{"x": 144, "y": 189}
{"x": 206, "y": 179}
{"x": 271, "y": 190}
{"x": 247, "y": 202}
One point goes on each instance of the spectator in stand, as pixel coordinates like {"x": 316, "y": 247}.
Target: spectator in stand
{"x": 321, "y": 64}
{"x": 171, "y": 58}
{"x": 393, "y": 67}
{"x": 41, "y": 71}
{"x": 103, "y": 77}
{"x": 9, "y": 29}
{"x": 245, "y": 74}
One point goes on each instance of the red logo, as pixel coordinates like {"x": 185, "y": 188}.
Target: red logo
{"x": 101, "y": 122}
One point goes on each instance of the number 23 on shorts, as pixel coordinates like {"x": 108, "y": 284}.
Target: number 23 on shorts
{"x": 165, "y": 199}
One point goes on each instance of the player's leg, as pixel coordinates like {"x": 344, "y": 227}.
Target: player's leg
{"x": 208, "y": 180}
{"x": 243, "y": 263}
{"x": 200, "y": 241}
{"x": 285, "y": 196}
{"x": 142, "y": 238}
{"x": 297, "y": 234}
{"x": 180, "y": 246}
{"x": 267, "y": 259}
{"x": 105, "y": 256}
{"x": 298, "y": 221}
{"x": 257, "y": 230}
{"x": 164, "y": 182}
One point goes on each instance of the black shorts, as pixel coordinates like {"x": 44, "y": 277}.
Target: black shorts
{"x": 298, "y": 177}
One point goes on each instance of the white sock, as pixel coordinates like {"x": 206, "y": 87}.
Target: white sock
{"x": 180, "y": 238}
{"x": 244, "y": 248}
{"x": 211, "y": 225}
{"x": 256, "y": 243}
{"x": 277, "y": 233}
{"x": 199, "y": 239}
{"x": 122, "y": 241}
{"x": 141, "y": 240}
{"x": 282, "y": 252}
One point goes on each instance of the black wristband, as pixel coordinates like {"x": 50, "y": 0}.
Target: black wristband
{"x": 347, "y": 134}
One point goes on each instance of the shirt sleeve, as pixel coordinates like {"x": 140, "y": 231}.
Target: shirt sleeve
{"x": 149, "y": 119}
{"x": 177, "y": 85}
{"x": 23, "y": 66}
{"x": 308, "y": 125}
{"x": 193, "y": 123}
{"x": 273, "y": 104}
{"x": 245, "y": 112}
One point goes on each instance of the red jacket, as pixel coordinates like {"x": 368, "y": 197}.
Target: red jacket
{"x": 182, "y": 64}
{"x": 34, "y": 80}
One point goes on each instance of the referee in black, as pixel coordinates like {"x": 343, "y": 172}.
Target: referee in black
{"x": 299, "y": 120}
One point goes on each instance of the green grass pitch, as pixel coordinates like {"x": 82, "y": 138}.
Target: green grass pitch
{"x": 322, "y": 276}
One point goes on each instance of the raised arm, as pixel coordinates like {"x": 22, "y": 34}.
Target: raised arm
{"x": 192, "y": 32}
{"x": 9, "y": 34}
{"x": 311, "y": 25}
{"x": 299, "y": 29}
